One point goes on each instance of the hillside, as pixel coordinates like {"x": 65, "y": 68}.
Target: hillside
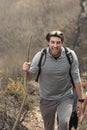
{"x": 19, "y": 19}
{"x": 79, "y": 38}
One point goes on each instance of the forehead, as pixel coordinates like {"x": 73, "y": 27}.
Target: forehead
{"x": 53, "y": 38}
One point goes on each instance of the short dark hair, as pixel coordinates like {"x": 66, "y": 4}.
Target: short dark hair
{"x": 55, "y": 34}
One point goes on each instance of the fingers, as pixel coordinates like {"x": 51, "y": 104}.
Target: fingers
{"x": 26, "y": 66}
{"x": 78, "y": 111}
{"x": 80, "y": 115}
{"x": 81, "y": 118}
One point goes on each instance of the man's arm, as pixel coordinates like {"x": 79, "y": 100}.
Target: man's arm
{"x": 78, "y": 87}
{"x": 80, "y": 101}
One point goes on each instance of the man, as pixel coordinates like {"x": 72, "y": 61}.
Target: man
{"x": 56, "y": 91}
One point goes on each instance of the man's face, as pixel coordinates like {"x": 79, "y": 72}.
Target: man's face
{"x": 55, "y": 45}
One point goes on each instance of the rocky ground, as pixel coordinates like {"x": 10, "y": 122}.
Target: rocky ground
{"x": 35, "y": 122}
{"x": 31, "y": 121}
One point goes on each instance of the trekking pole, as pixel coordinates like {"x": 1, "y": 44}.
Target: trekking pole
{"x": 26, "y": 94}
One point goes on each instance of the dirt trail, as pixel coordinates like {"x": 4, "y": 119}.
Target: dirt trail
{"x": 34, "y": 121}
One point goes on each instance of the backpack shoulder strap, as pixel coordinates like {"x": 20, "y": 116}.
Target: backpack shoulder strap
{"x": 69, "y": 55}
{"x": 44, "y": 51}
{"x": 70, "y": 60}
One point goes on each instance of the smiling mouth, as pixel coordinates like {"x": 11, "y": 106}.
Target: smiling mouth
{"x": 56, "y": 52}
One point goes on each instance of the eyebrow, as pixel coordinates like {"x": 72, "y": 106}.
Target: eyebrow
{"x": 54, "y": 41}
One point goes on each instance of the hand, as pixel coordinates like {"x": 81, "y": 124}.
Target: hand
{"x": 26, "y": 66}
{"x": 79, "y": 110}
{"x": 83, "y": 107}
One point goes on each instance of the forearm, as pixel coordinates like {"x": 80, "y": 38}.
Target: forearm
{"x": 78, "y": 87}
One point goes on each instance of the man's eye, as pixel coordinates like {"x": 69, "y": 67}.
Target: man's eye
{"x": 52, "y": 42}
{"x": 58, "y": 42}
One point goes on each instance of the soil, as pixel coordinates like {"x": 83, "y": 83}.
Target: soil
{"x": 34, "y": 121}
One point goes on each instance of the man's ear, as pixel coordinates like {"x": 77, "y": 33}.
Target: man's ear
{"x": 47, "y": 43}
{"x": 62, "y": 43}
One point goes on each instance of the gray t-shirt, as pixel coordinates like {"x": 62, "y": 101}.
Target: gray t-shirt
{"x": 54, "y": 79}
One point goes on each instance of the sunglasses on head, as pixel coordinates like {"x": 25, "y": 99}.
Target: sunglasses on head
{"x": 55, "y": 33}
{"x": 58, "y": 33}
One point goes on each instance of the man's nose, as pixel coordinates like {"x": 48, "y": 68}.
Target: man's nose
{"x": 55, "y": 44}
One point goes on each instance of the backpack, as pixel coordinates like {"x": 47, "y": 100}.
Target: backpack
{"x": 69, "y": 58}
{"x": 39, "y": 64}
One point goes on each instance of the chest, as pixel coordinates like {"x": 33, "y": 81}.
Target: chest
{"x": 60, "y": 66}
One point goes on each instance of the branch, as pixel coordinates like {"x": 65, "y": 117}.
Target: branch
{"x": 26, "y": 94}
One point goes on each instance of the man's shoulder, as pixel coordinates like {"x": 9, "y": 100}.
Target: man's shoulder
{"x": 72, "y": 53}
{"x": 69, "y": 50}
{"x": 40, "y": 52}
